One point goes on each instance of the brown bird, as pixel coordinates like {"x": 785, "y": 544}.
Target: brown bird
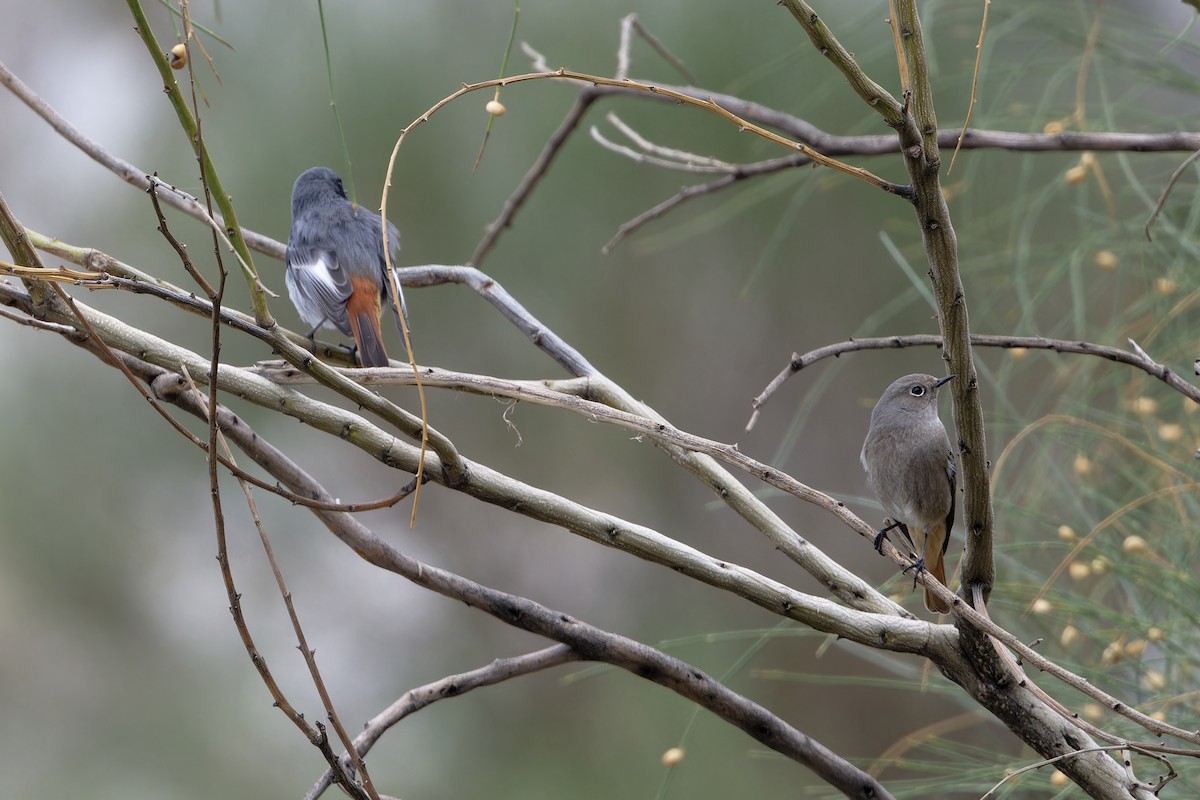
{"x": 910, "y": 467}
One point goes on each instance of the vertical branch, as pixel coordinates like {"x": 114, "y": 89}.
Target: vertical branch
{"x": 918, "y": 140}
{"x": 188, "y": 122}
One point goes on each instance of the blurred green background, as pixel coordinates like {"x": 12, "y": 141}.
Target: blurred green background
{"x": 121, "y": 675}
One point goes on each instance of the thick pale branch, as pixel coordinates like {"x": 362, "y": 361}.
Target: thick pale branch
{"x": 587, "y": 641}
{"x": 695, "y": 453}
{"x": 483, "y": 483}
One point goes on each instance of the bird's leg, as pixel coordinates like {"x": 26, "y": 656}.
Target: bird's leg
{"x": 882, "y": 534}
{"x": 312, "y": 337}
{"x": 917, "y": 567}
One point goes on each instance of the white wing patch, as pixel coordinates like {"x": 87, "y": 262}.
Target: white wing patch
{"x": 314, "y": 291}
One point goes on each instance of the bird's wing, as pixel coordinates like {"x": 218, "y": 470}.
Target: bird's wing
{"x": 952, "y": 476}
{"x": 318, "y": 286}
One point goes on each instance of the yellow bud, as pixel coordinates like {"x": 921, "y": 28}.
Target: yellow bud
{"x": 1099, "y": 565}
{"x": 1017, "y": 353}
{"x": 1170, "y": 432}
{"x": 1091, "y": 711}
{"x": 1059, "y": 779}
{"x": 672, "y": 757}
{"x": 1134, "y": 544}
{"x": 1076, "y": 174}
{"x": 1154, "y": 681}
{"x": 1165, "y": 286}
{"x": 1066, "y": 533}
{"x": 1079, "y": 570}
{"x": 1105, "y": 259}
{"x": 1083, "y": 464}
{"x": 1041, "y": 606}
{"x": 1155, "y": 634}
{"x": 1113, "y": 653}
{"x": 497, "y": 109}
{"x": 1087, "y": 159}
{"x": 1069, "y": 636}
{"x": 1145, "y": 405}
{"x": 1135, "y": 648}
{"x": 178, "y": 56}
{"x": 1158, "y": 716}
{"x": 1053, "y": 127}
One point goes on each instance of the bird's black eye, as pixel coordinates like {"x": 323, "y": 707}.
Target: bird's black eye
{"x": 917, "y": 391}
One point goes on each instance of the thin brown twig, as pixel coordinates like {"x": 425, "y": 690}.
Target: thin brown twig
{"x": 901, "y": 62}
{"x": 315, "y": 734}
{"x": 706, "y": 104}
{"x": 1133, "y": 359}
{"x": 180, "y": 249}
{"x": 739, "y": 173}
{"x": 974, "y": 85}
{"x": 631, "y": 23}
{"x": 536, "y": 172}
{"x": 1166, "y": 192}
{"x": 450, "y": 687}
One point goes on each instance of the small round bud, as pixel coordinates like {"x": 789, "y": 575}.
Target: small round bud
{"x": 1079, "y": 570}
{"x": 497, "y": 109}
{"x": 1134, "y": 544}
{"x": 1105, "y": 259}
{"x": 672, "y": 757}
{"x": 1041, "y": 606}
{"x": 1165, "y": 286}
{"x": 1017, "y": 353}
{"x": 1100, "y": 565}
{"x": 1158, "y": 716}
{"x": 1155, "y": 634}
{"x": 1053, "y": 127}
{"x": 1135, "y": 648}
{"x": 1092, "y": 711}
{"x": 1067, "y": 534}
{"x": 1069, "y": 636}
{"x": 1145, "y": 405}
{"x": 1170, "y": 432}
{"x": 178, "y": 56}
{"x": 1083, "y": 464}
{"x": 1113, "y": 653}
{"x": 1076, "y": 174}
{"x": 1154, "y": 681}
{"x": 1059, "y": 780}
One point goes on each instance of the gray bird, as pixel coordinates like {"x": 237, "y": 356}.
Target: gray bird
{"x": 910, "y": 467}
{"x": 336, "y": 273}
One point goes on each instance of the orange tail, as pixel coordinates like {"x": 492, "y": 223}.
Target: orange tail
{"x": 935, "y": 563}
{"x": 363, "y": 308}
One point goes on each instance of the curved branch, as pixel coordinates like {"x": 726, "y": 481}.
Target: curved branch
{"x": 1137, "y": 358}
{"x": 452, "y": 686}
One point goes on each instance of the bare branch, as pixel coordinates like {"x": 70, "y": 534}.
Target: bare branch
{"x": 1137, "y": 359}
{"x": 450, "y": 687}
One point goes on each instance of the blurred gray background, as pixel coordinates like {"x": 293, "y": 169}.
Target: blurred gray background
{"x": 121, "y": 674}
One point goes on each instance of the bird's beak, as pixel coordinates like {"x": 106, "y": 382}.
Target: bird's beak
{"x": 944, "y": 380}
